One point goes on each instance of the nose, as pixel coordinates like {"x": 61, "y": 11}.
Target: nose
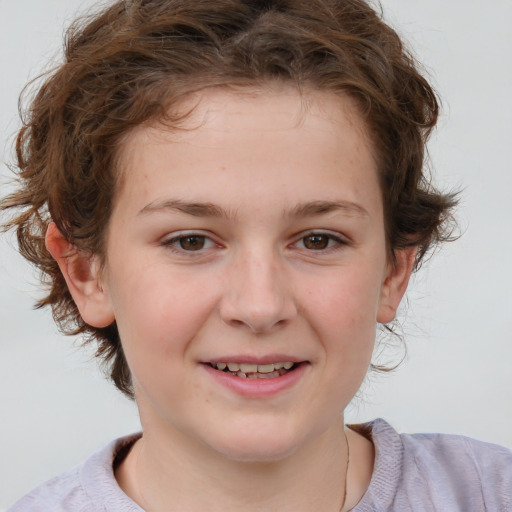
{"x": 258, "y": 294}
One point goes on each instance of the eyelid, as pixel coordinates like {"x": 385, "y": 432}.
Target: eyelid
{"x": 341, "y": 240}
{"x": 171, "y": 239}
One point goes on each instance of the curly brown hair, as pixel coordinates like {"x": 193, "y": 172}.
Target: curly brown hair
{"x": 136, "y": 59}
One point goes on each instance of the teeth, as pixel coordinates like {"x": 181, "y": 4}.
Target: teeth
{"x": 269, "y": 375}
{"x": 247, "y": 370}
{"x": 257, "y": 375}
{"x": 267, "y": 368}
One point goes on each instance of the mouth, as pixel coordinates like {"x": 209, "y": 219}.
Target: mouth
{"x": 255, "y": 371}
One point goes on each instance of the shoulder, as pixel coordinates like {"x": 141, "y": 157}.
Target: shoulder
{"x": 89, "y": 487}
{"x": 56, "y": 494}
{"x": 447, "y": 472}
{"x": 469, "y": 468}
{"x": 447, "y": 450}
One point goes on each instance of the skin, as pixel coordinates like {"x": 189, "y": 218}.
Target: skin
{"x": 258, "y": 287}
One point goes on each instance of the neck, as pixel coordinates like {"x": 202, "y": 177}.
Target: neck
{"x": 164, "y": 474}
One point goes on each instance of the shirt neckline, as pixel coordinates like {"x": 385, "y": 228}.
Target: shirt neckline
{"x": 98, "y": 480}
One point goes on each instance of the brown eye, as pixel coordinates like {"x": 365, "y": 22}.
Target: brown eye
{"x": 316, "y": 242}
{"x": 188, "y": 243}
{"x": 192, "y": 242}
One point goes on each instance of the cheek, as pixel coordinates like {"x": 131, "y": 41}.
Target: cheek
{"x": 159, "y": 309}
{"x": 159, "y": 316}
{"x": 343, "y": 312}
{"x": 348, "y": 298}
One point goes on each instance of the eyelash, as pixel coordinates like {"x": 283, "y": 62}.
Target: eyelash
{"x": 172, "y": 243}
{"x": 338, "y": 241}
{"x": 334, "y": 242}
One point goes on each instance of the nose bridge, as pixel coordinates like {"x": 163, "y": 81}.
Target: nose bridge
{"x": 257, "y": 295}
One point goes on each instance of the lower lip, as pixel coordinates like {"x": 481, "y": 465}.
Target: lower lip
{"x": 258, "y": 388}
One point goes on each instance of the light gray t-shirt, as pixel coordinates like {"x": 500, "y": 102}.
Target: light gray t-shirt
{"x": 419, "y": 472}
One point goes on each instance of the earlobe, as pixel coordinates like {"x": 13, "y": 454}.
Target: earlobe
{"x": 395, "y": 284}
{"x": 82, "y": 274}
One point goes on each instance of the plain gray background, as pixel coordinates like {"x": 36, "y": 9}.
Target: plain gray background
{"x": 56, "y": 406}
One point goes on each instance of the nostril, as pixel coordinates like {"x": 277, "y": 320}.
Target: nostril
{"x": 254, "y": 307}
{"x": 235, "y": 322}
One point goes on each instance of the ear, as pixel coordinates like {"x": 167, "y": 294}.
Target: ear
{"x": 82, "y": 274}
{"x": 395, "y": 284}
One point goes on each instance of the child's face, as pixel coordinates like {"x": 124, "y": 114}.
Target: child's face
{"x": 255, "y": 237}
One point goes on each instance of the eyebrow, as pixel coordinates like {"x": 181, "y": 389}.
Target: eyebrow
{"x": 308, "y": 209}
{"x": 196, "y": 209}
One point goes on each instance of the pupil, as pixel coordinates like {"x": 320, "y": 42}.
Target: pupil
{"x": 192, "y": 243}
{"x": 317, "y": 242}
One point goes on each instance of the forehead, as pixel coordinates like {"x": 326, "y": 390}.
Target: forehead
{"x": 274, "y": 107}
{"x": 249, "y": 140}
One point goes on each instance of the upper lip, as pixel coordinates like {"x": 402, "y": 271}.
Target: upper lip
{"x": 252, "y": 359}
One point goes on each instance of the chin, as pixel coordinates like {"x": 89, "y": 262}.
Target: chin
{"x": 250, "y": 452}
{"x": 257, "y": 444}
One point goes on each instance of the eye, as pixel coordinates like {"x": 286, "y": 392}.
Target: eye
{"x": 193, "y": 242}
{"x": 319, "y": 242}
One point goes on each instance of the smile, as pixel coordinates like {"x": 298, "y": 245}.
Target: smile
{"x": 255, "y": 371}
